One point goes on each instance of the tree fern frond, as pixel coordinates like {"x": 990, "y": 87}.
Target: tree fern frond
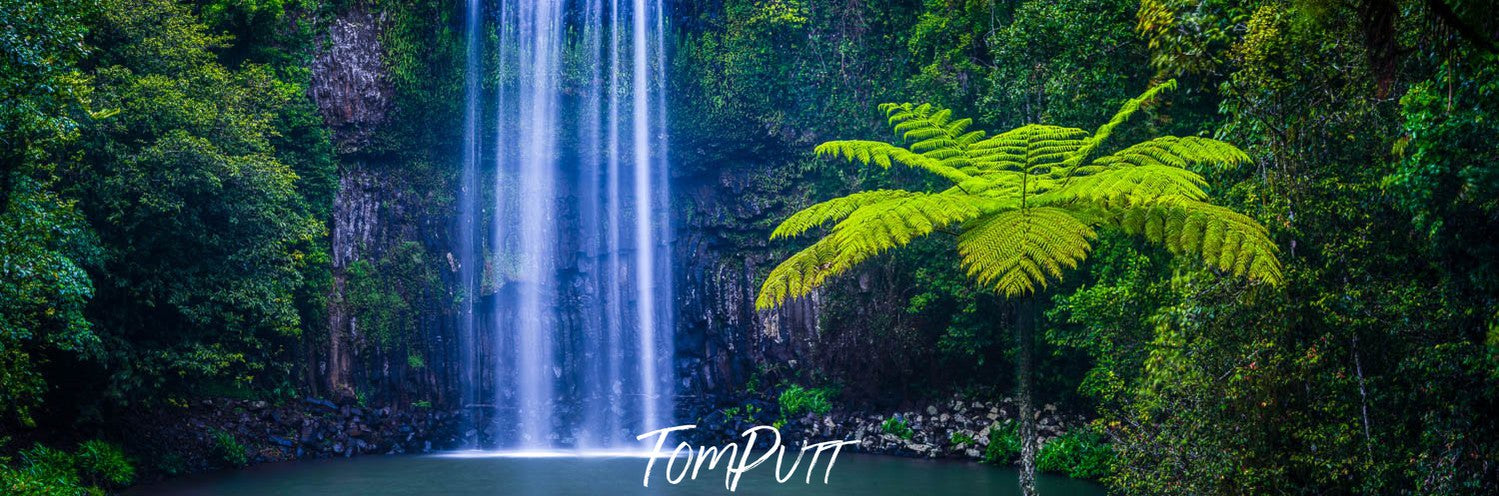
{"x": 868, "y": 231}
{"x": 957, "y": 127}
{"x": 1019, "y": 251}
{"x": 913, "y": 131}
{"x": 1226, "y": 240}
{"x": 874, "y": 228}
{"x": 1151, "y": 181}
{"x": 885, "y": 154}
{"x": 1125, "y": 111}
{"x": 940, "y": 143}
{"x": 832, "y": 210}
{"x": 800, "y": 274}
{"x": 1177, "y": 152}
{"x": 940, "y": 117}
{"x": 1026, "y": 147}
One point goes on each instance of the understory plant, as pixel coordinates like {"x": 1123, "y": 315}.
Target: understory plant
{"x": 1080, "y": 454}
{"x": 95, "y": 467}
{"x": 898, "y": 427}
{"x": 1004, "y": 444}
{"x": 796, "y": 400}
{"x": 229, "y": 450}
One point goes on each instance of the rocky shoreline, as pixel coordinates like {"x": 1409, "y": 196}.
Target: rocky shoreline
{"x": 957, "y": 427}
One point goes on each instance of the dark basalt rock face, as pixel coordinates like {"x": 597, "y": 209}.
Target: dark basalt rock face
{"x": 721, "y": 253}
{"x": 349, "y": 80}
{"x": 725, "y": 207}
{"x": 378, "y": 207}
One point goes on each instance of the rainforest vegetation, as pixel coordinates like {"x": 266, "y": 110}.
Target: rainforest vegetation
{"x": 1276, "y": 272}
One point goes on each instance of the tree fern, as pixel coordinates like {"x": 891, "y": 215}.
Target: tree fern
{"x": 1026, "y": 202}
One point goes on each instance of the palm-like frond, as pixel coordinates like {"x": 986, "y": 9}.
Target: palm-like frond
{"x": 801, "y": 273}
{"x": 1026, "y": 201}
{"x": 832, "y": 210}
{"x": 1018, "y": 251}
{"x": 1177, "y": 152}
{"x": 868, "y": 231}
{"x": 885, "y": 155}
{"x": 1116, "y": 184}
{"x": 1226, "y": 240}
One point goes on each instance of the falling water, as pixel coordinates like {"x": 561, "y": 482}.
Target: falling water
{"x": 468, "y": 217}
{"x": 576, "y": 275}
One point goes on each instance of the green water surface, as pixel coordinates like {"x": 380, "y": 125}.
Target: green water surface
{"x": 447, "y": 475}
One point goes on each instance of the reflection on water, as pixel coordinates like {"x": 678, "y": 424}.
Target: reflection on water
{"x": 593, "y": 475}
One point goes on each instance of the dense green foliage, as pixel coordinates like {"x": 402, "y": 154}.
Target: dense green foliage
{"x": 41, "y": 471}
{"x": 1079, "y": 454}
{"x": 165, "y": 203}
{"x": 165, "y": 199}
{"x": 189, "y": 153}
{"x": 1004, "y": 443}
{"x": 796, "y": 400}
{"x": 43, "y": 285}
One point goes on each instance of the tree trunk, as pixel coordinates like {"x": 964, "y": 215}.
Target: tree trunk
{"x": 1025, "y": 344}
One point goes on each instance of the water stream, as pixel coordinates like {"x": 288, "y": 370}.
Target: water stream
{"x": 565, "y": 476}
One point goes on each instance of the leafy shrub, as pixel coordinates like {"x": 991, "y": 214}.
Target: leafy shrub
{"x": 1080, "y": 454}
{"x": 20, "y": 481}
{"x": 796, "y": 400}
{"x": 1004, "y": 444}
{"x": 229, "y": 450}
{"x": 104, "y": 464}
{"x": 961, "y": 439}
{"x": 43, "y": 471}
{"x": 54, "y": 469}
{"x": 898, "y": 426}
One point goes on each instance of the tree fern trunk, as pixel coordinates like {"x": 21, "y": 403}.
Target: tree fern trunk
{"x": 1025, "y": 344}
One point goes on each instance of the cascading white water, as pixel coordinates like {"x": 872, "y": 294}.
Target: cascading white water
{"x": 468, "y": 217}
{"x": 576, "y": 269}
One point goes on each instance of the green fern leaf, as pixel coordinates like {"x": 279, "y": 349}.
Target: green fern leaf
{"x": 832, "y": 210}
{"x": 1114, "y": 185}
{"x": 1018, "y": 251}
{"x": 1225, "y": 240}
{"x": 1177, "y": 152}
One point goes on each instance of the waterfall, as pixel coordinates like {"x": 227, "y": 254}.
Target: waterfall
{"x": 565, "y": 320}
{"x": 468, "y": 219}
